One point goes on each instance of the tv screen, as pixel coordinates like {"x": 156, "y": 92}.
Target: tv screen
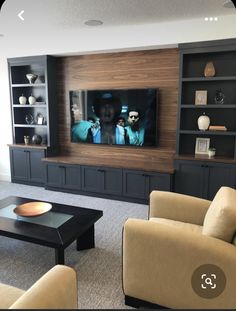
{"x": 114, "y": 117}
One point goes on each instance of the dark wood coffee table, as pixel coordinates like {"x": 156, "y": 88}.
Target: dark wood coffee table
{"x": 57, "y": 229}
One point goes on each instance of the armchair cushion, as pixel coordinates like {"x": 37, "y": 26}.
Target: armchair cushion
{"x": 220, "y": 219}
{"x": 178, "y": 224}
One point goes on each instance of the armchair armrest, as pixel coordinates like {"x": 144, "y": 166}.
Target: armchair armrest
{"x": 57, "y": 289}
{"x": 178, "y": 206}
{"x": 159, "y": 261}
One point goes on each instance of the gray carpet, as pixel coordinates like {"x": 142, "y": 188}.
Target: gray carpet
{"x": 99, "y": 269}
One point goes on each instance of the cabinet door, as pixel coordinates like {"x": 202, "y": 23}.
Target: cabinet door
{"x": 134, "y": 184}
{"x": 111, "y": 180}
{"x": 35, "y": 168}
{"x": 53, "y": 175}
{"x": 19, "y": 164}
{"x": 159, "y": 181}
{"x": 190, "y": 178}
{"x": 91, "y": 179}
{"x": 71, "y": 177}
{"x": 220, "y": 175}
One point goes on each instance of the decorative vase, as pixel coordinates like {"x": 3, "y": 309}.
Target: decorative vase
{"x": 31, "y": 77}
{"x": 219, "y": 97}
{"x": 203, "y": 122}
{"x": 209, "y": 70}
{"x": 27, "y": 140}
{"x": 32, "y": 100}
{"x": 22, "y": 100}
{"x": 36, "y": 139}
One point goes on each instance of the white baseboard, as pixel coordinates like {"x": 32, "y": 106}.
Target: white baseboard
{"x": 5, "y": 177}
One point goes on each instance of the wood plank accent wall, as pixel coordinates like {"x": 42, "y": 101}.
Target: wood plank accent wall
{"x": 156, "y": 69}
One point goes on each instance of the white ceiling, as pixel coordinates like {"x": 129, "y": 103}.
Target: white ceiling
{"x": 73, "y": 13}
{"x": 57, "y": 26}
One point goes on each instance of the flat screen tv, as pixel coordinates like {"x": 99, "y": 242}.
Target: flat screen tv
{"x": 114, "y": 117}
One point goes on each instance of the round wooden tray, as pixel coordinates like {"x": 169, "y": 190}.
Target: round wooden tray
{"x": 31, "y": 209}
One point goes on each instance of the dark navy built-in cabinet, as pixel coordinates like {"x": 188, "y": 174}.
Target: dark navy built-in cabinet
{"x": 203, "y": 179}
{"x": 139, "y": 184}
{"x": 114, "y": 183}
{"x": 64, "y": 176}
{"x": 26, "y": 165}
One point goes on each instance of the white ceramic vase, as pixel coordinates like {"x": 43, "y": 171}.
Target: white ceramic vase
{"x": 22, "y": 100}
{"x": 203, "y": 122}
{"x": 32, "y": 100}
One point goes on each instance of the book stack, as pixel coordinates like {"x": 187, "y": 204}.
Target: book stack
{"x": 217, "y": 128}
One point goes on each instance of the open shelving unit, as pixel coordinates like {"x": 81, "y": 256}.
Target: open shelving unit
{"x": 197, "y": 174}
{"x": 30, "y": 119}
{"x": 193, "y": 59}
{"x": 42, "y": 89}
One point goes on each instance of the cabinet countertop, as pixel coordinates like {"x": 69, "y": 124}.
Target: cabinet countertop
{"x": 205, "y": 158}
{"x": 30, "y": 146}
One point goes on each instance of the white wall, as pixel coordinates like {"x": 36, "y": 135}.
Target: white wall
{"x": 67, "y": 41}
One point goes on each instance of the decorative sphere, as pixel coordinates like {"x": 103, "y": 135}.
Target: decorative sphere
{"x": 36, "y": 139}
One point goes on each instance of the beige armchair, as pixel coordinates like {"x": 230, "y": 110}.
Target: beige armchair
{"x": 57, "y": 289}
{"x": 161, "y": 254}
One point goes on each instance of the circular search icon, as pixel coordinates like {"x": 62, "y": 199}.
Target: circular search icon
{"x": 208, "y": 281}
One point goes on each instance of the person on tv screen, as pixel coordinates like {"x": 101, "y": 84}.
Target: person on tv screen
{"x": 80, "y": 131}
{"x": 135, "y": 131}
{"x": 107, "y": 108}
{"x": 121, "y": 121}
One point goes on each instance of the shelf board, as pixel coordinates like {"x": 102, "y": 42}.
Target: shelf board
{"x": 30, "y": 125}
{"x": 204, "y": 79}
{"x": 30, "y": 146}
{"x": 208, "y": 133}
{"x": 30, "y": 106}
{"x": 28, "y": 85}
{"x": 208, "y": 106}
{"x": 198, "y": 157}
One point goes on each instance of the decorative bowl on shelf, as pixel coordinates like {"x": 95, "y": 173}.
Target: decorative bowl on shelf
{"x": 31, "y": 209}
{"x": 31, "y": 77}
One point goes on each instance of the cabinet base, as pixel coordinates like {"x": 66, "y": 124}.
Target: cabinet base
{"x": 99, "y": 195}
{"x": 29, "y": 183}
